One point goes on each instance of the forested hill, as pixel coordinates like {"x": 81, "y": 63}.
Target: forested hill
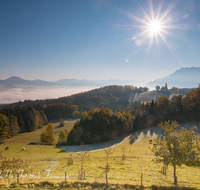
{"x": 113, "y": 97}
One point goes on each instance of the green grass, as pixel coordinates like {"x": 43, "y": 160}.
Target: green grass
{"x": 139, "y": 160}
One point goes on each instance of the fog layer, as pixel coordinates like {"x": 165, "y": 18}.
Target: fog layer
{"x": 12, "y": 95}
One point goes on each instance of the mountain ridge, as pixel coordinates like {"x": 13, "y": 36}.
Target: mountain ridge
{"x": 185, "y": 77}
{"x": 15, "y": 80}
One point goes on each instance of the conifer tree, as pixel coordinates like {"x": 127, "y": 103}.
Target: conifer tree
{"x": 4, "y": 127}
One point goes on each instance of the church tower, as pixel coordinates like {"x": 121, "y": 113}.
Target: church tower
{"x": 166, "y": 89}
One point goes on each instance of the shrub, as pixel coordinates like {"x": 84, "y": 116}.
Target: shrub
{"x": 48, "y": 137}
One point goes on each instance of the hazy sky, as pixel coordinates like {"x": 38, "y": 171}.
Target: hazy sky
{"x": 98, "y": 39}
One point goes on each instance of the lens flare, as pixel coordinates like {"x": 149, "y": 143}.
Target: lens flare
{"x": 155, "y": 25}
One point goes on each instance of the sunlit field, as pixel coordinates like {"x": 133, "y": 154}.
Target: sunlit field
{"x": 139, "y": 160}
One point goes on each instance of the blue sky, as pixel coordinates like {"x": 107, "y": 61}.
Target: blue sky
{"x": 97, "y": 39}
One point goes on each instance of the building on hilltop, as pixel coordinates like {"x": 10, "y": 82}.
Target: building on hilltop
{"x": 164, "y": 88}
{"x": 163, "y": 91}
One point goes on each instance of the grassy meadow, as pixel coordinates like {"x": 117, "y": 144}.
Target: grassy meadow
{"x": 139, "y": 159}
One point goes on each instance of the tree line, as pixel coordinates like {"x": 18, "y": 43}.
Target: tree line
{"x": 178, "y": 108}
{"x": 20, "y": 119}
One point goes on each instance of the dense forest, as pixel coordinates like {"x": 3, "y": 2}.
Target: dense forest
{"x": 100, "y": 125}
{"x": 20, "y": 119}
{"x": 29, "y": 115}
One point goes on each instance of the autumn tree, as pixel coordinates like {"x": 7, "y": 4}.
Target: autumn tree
{"x": 48, "y": 137}
{"x": 177, "y": 147}
{"x": 76, "y": 114}
{"x": 84, "y": 115}
{"x": 191, "y": 105}
{"x": 163, "y": 102}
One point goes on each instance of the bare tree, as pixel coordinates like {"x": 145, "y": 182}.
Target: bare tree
{"x": 82, "y": 155}
{"x": 70, "y": 159}
{"x": 123, "y": 155}
{"x": 107, "y": 166}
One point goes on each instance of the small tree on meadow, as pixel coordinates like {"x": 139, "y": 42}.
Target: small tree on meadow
{"x": 82, "y": 155}
{"x": 177, "y": 147}
{"x": 61, "y": 123}
{"x": 107, "y": 166}
{"x": 62, "y": 138}
{"x": 48, "y": 137}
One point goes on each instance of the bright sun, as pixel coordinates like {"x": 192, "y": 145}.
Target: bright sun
{"x": 154, "y": 27}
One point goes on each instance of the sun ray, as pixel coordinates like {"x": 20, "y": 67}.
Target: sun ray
{"x": 151, "y": 10}
{"x": 166, "y": 43}
{"x": 164, "y": 15}
{"x": 145, "y": 14}
{"x": 159, "y": 11}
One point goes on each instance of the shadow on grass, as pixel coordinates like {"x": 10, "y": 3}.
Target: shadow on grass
{"x": 59, "y": 149}
{"x": 59, "y": 126}
{"x": 95, "y": 185}
{"x": 151, "y": 132}
{"x": 158, "y": 131}
{"x": 171, "y": 188}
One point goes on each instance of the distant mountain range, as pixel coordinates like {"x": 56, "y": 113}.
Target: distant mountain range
{"x": 15, "y": 81}
{"x": 97, "y": 83}
{"x": 182, "y": 78}
{"x": 12, "y": 81}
